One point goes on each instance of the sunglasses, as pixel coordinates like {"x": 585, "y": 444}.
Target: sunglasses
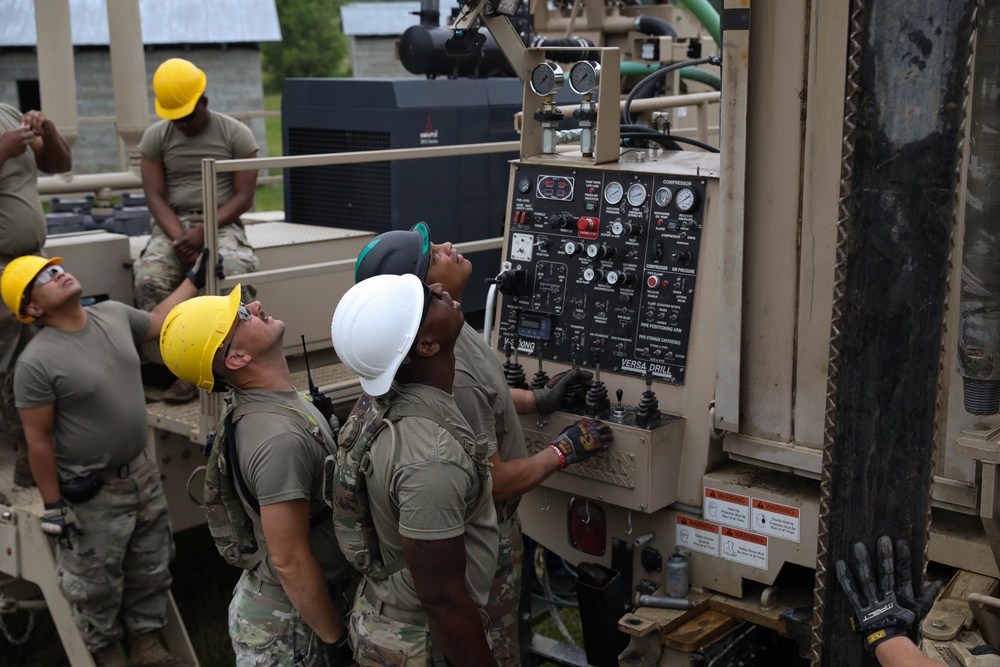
{"x": 428, "y": 294}
{"x": 47, "y": 274}
{"x": 242, "y": 315}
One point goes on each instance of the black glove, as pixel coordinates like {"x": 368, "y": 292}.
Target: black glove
{"x": 197, "y": 273}
{"x": 59, "y": 521}
{"x": 904, "y": 585}
{"x": 339, "y": 653}
{"x": 581, "y": 440}
{"x": 549, "y": 398}
{"x": 881, "y": 615}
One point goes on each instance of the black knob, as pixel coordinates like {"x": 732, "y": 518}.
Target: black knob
{"x": 681, "y": 256}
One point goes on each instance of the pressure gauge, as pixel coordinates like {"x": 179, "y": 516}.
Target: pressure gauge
{"x": 547, "y": 79}
{"x": 685, "y": 199}
{"x": 636, "y": 194}
{"x": 613, "y": 192}
{"x": 583, "y": 76}
{"x": 523, "y": 185}
{"x": 663, "y": 197}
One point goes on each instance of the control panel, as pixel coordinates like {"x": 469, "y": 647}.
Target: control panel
{"x": 601, "y": 268}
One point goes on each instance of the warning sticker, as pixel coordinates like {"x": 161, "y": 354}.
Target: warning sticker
{"x": 781, "y": 521}
{"x": 697, "y": 535}
{"x": 729, "y": 509}
{"x": 740, "y": 546}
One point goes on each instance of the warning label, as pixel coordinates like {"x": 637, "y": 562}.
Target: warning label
{"x": 742, "y": 547}
{"x": 781, "y": 521}
{"x": 729, "y": 509}
{"x": 697, "y": 535}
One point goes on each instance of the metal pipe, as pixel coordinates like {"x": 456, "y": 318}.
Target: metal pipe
{"x": 979, "y": 302}
{"x": 70, "y": 183}
{"x": 128, "y": 74}
{"x": 663, "y": 602}
{"x": 56, "y": 68}
{"x": 987, "y": 600}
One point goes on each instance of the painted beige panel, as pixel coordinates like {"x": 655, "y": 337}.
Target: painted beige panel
{"x": 820, "y": 195}
{"x": 773, "y": 183}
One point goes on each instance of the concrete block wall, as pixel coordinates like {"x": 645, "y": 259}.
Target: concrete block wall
{"x": 234, "y": 85}
{"x": 375, "y": 58}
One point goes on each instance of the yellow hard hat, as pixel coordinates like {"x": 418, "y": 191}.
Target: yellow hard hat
{"x": 178, "y": 85}
{"x": 193, "y": 332}
{"x": 18, "y": 275}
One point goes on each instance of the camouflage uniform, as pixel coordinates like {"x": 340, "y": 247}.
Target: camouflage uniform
{"x": 505, "y": 594}
{"x": 158, "y": 272}
{"x": 118, "y": 569}
{"x": 267, "y": 631}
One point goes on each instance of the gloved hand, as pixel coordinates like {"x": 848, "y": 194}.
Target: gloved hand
{"x": 882, "y": 614}
{"x": 339, "y": 653}
{"x": 581, "y": 440}
{"x": 197, "y": 273}
{"x": 59, "y": 521}
{"x": 549, "y": 398}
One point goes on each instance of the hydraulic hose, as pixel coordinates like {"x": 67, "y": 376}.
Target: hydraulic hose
{"x": 649, "y": 80}
{"x": 707, "y": 15}
{"x": 631, "y": 67}
{"x": 653, "y": 25}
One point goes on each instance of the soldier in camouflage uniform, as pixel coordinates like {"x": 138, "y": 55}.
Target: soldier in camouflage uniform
{"x": 172, "y": 150}
{"x": 103, "y": 498}
{"x": 28, "y": 143}
{"x": 289, "y": 608}
{"x": 490, "y": 407}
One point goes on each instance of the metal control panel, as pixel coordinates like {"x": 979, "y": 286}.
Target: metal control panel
{"x": 602, "y": 267}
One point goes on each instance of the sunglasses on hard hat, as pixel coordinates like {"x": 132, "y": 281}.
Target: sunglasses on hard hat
{"x": 242, "y": 315}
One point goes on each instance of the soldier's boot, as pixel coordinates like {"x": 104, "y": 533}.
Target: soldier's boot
{"x": 109, "y": 656}
{"x": 147, "y": 651}
{"x": 22, "y": 471}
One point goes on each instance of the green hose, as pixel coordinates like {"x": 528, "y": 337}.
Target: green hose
{"x": 693, "y": 73}
{"x": 707, "y": 15}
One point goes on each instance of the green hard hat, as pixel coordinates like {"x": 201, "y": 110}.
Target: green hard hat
{"x": 396, "y": 253}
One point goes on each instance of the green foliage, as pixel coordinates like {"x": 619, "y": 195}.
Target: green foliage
{"x": 312, "y": 43}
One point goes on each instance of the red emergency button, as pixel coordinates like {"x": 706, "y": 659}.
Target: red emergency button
{"x": 653, "y": 281}
{"x": 587, "y": 224}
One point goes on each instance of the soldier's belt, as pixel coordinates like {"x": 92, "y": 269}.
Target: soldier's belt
{"x": 412, "y": 617}
{"x": 123, "y": 471}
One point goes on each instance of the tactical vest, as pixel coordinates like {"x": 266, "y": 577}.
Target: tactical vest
{"x": 228, "y": 521}
{"x": 347, "y": 488}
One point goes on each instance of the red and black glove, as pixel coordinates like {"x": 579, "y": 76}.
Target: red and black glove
{"x": 581, "y": 440}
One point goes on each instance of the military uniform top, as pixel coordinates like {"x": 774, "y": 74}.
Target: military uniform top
{"x": 484, "y": 399}
{"x": 93, "y": 378}
{"x": 22, "y": 223}
{"x": 281, "y": 462}
{"x": 434, "y": 484}
{"x": 222, "y": 138}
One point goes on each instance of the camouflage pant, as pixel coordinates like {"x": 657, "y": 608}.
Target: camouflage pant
{"x": 158, "y": 272}
{"x": 379, "y": 640}
{"x": 118, "y": 570}
{"x": 267, "y": 631}
{"x": 505, "y": 594}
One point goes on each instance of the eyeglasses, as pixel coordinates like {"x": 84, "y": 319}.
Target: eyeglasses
{"x": 428, "y": 294}
{"x": 242, "y": 315}
{"x": 47, "y": 274}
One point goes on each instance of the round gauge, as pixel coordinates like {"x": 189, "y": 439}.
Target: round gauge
{"x": 636, "y": 194}
{"x": 663, "y": 197}
{"x": 583, "y": 76}
{"x": 547, "y": 79}
{"x": 617, "y": 228}
{"x": 613, "y": 193}
{"x": 523, "y": 185}
{"x": 686, "y": 199}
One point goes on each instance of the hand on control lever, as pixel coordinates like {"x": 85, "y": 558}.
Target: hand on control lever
{"x": 549, "y": 398}
{"x": 197, "y": 273}
{"x": 581, "y": 440}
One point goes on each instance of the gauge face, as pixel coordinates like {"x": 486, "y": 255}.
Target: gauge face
{"x": 663, "y": 197}
{"x": 636, "y": 194}
{"x": 685, "y": 199}
{"x": 613, "y": 193}
{"x": 546, "y": 79}
{"x": 583, "y": 76}
{"x": 523, "y": 185}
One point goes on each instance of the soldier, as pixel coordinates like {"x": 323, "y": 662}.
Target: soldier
{"x": 103, "y": 498}
{"x": 288, "y": 609}
{"x": 490, "y": 407}
{"x": 172, "y": 150}
{"x": 22, "y": 232}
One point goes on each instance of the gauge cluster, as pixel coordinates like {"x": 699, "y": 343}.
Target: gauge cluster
{"x": 607, "y": 263}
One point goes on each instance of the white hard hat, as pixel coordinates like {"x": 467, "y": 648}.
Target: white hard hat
{"x": 374, "y": 327}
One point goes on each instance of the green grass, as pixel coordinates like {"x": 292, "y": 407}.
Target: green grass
{"x": 271, "y": 197}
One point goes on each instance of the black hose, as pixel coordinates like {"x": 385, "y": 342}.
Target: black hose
{"x": 626, "y": 113}
{"x": 667, "y": 141}
{"x": 565, "y": 56}
{"x": 652, "y": 25}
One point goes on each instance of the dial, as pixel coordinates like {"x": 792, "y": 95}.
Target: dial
{"x": 636, "y": 194}
{"x": 523, "y": 185}
{"x": 663, "y": 197}
{"x": 592, "y": 250}
{"x": 617, "y": 227}
{"x": 547, "y": 79}
{"x": 583, "y": 76}
{"x": 686, "y": 199}
{"x": 613, "y": 193}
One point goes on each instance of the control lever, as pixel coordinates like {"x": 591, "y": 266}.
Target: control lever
{"x": 618, "y": 414}
{"x": 540, "y": 377}
{"x": 512, "y": 370}
{"x": 648, "y": 411}
{"x": 597, "y": 396}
